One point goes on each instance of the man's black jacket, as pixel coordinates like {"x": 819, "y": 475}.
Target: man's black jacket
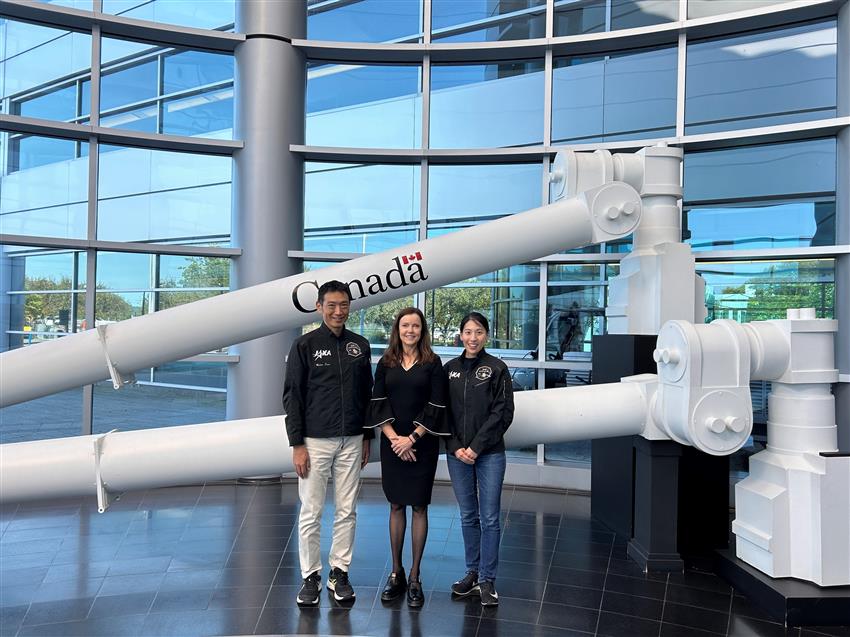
{"x": 328, "y": 385}
{"x": 481, "y": 402}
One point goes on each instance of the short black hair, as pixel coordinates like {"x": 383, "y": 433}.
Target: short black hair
{"x": 333, "y": 286}
{"x": 478, "y": 318}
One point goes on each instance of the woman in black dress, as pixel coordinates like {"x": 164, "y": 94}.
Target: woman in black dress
{"x": 408, "y": 404}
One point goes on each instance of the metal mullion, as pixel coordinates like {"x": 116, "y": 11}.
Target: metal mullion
{"x": 543, "y": 316}
{"x": 91, "y": 286}
{"x": 681, "y": 77}
{"x": 94, "y": 76}
{"x": 160, "y": 89}
{"x": 426, "y": 102}
{"x": 423, "y": 219}
{"x": 548, "y": 81}
{"x": 550, "y": 19}
{"x": 426, "y": 21}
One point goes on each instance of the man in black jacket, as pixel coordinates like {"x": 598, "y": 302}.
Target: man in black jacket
{"x": 327, "y": 389}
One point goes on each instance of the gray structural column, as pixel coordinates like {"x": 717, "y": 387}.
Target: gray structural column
{"x": 842, "y": 265}
{"x": 268, "y": 197}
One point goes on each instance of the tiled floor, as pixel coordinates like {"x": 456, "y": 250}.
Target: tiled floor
{"x": 222, "y": 560}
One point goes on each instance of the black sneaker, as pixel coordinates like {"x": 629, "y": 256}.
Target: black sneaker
{"x": 489, "y": 596}
{"x": 339, "y": 584}
{"x": 309, "y": 593}
{"x": 396, "y": 584}
{"x": 466, "y": 586}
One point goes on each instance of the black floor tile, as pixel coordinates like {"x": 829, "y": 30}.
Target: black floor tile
{"x": 618, "y": 625}
{"x": 223, "y": 560}
{"x": 571, "y": 617}
{"x": 694, "y": 617}
{"x": 202, "y": 622}
{"x": 573, "y": 596}
{"x": 58, "y": 611}
{"x": 642, "y": 607}
{"x": 118, "y": 605}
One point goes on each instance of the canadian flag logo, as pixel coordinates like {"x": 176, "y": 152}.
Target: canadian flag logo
{"x": 411, "y": 258}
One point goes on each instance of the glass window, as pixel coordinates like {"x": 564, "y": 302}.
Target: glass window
{"x": 486, "y": 21}
{"x": 575, "y": 17}
{"x": 43, "y": 187}
{"x": 574, "y": 314}
{"x": 199, "y": 86}
{"x": 762, "y": 79}
{"x": 130, "y": 408}
{"x": 365, "y": 21}
{"x": 776, "y": 225}
{"x": 43, "y": 294}
{"x": 732, "y": 196}
{"x": 360, "y": 208}
{"x": 614, "y": 97}
{"x": 32, "y": 59}
{"x": 750, "y": 172}
{"x": 630, "y": 14}
{"x": 364, "y": 106}
{"x": 763, "y": 290}
{"x": 153, "y": 195}
{"x": 487, "y": 105}
{"x": 511, "y": 307}
{"x": 203, "y": 14}
{"x": 55, "y": 416}
{"x": 460, "y": 196}
{"x": 706, "y": 8}
{"x": 187, "y": 279}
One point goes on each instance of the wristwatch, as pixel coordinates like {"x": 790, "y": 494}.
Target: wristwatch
{"x": 415, "y": 435}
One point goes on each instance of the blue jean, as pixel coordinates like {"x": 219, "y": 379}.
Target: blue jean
{"x": 478, "y": 489}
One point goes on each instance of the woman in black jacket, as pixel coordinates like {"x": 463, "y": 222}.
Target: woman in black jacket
{"x": 481, "y": 409}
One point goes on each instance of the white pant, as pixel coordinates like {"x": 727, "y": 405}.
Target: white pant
{"x": 340, "y": 458}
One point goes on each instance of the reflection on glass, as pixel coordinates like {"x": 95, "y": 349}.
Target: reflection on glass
{"x": 199, "y": 86}
{"x": 365, "y": 21}
{"x": 768, "y": 171}
{"x": 192, "y": 374}
{"x": 762, "y": 79}
{"x": 575, "y": 18}
{"x": 42, "y": 292}
{"x": 32, "y": 58}
{"x": 614, "y": 97}
{"x": 43, "y": 187}
{"x": 486, "y": 105}
{"x": 465, "y": 195}
{"x": 360, "y": 208}
{"x": 193, "y": 272}
{"x": 203, "y": 14}
{"x": 152, "y": 195}
{"x": 483, "y": 21}
{"x": 512, "y": 312}
{"x": 705, "y": 8}
{"x": 364, "y": 106}
{"x": 630, "y": 14}
{"x": 574, "y": 314}
{"x": 763, "y": 290}
{"x": 567, "y": 272}
{"x": 778, "y": 225}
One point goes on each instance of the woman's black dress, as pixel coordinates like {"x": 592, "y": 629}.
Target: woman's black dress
{"x": 407, "y": 399}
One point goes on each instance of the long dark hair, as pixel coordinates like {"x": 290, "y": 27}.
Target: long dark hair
{"x": 394, "y": 352}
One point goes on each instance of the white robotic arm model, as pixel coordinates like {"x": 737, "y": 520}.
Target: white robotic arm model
{"x": 793, "y": 510}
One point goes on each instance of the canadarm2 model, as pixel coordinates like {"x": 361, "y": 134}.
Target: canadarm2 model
{"x": 793, "y": 511}
{"x": 605, "y": 212}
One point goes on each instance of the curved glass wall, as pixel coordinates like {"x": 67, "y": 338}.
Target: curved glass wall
{"x": 468, "y": 134}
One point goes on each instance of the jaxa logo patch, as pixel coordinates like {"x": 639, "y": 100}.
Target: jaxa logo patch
{"x": 319, "y": 354}
{"x": 454, "y": 375}
{"x": 353, "y": 349}
{"x": 483, "y": 373}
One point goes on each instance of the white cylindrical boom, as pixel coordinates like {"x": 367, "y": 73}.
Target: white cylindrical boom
{"x": 568, "y": 414}
{"x": 601, "y": 214}
{"x": 190, "y": 454}
{"x": 147, "y": 459}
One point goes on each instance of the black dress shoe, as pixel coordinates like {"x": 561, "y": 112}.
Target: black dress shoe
{"x": 395, "y": 586}
{"x": 415, "y": 598}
